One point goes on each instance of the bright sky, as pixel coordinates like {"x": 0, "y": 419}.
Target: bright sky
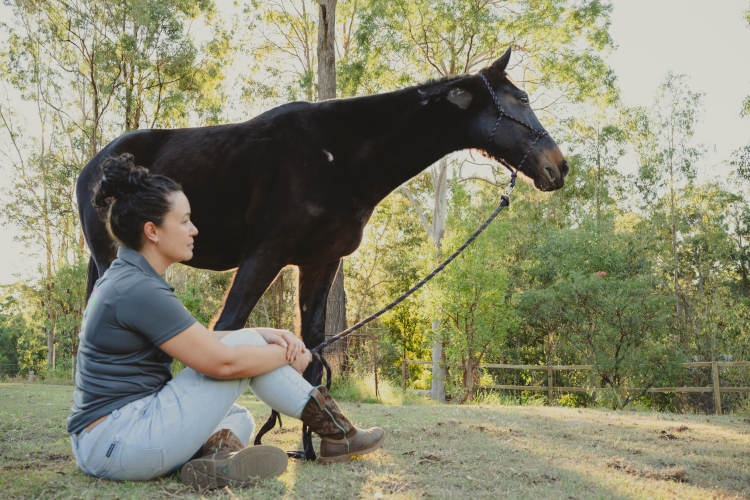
{"x": 708, "y": 41}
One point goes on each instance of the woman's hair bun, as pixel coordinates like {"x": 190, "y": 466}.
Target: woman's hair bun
{"x": 120, "y": 178}
{"x": 127, "y": 196}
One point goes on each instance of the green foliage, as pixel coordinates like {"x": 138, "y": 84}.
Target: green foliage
{"x": 662, "y": 136}
{"x": 405, "y": 333}
{"x": 67, "y": 300}
{"x": 32, "y": 351}
{"x": 377, "y": 273}
{"x": 600, "y": 305}
{"x": 12, "y": 327}
{"x": 353, "y": 388}
{"x": 594, "y": 147}
{"x": 472, "y": 297}
{"x": 200, "y": 291}
{"x": 740, "y": 162}
{"x": 675, "y": 254}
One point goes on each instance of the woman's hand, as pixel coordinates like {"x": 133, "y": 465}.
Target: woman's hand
{"x": 294, "y": 346}
{"x": 302, "y": 361}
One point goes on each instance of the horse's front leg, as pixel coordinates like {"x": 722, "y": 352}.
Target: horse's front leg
{"x": 252, "y": 278}
{"x": 314, "y": 285}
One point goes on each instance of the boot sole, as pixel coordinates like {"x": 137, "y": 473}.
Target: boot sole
{"x": 337, "y": 459}
{"x": 253, "y": 462}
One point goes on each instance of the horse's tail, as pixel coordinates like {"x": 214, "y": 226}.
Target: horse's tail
{"x": 93, "y": 275}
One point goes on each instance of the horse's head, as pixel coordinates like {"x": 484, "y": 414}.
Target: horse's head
{"x": 512, "y": 132}
{"x": 500, "y": 123}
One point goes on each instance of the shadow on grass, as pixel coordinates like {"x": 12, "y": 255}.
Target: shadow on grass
{"x": 633, "y": 451}
{"x": 430, "y": 451}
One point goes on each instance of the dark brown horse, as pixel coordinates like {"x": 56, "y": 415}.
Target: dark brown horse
{"x": 297, "y": 184}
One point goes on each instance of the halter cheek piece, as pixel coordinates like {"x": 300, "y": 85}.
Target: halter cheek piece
{"x": 501, "y": 113}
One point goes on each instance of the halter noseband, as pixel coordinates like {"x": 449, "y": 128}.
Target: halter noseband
{"x": 501, "y": 113}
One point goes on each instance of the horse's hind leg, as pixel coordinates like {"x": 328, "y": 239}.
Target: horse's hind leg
{"x": 103, "y": 252}
{"x": 91, "y": 277}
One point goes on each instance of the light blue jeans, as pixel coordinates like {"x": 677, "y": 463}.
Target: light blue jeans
{"x": 159, "y": 433}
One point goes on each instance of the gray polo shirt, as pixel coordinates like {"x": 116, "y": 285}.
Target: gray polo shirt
{"x": 131, "y": 311}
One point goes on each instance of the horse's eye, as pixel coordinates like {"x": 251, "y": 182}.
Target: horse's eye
{"x": 524, "y": 98}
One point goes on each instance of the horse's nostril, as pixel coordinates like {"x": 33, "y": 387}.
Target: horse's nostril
{"x": 564, "y": 169}
{"x": 551, "y": 173}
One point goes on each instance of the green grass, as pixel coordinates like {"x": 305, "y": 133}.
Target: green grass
{"x": 431, "y": 451}
{"x": 360, "y": 388}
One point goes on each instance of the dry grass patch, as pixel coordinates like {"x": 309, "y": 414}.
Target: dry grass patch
{"x": 430, "y": 452}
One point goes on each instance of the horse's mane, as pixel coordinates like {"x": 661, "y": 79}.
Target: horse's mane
{"x": 438, "y": 81}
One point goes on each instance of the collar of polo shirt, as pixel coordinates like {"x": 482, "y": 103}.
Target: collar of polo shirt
{"x": 135, "y": 258}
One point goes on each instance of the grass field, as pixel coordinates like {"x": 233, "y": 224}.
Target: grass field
{"x": 431, "y": 451}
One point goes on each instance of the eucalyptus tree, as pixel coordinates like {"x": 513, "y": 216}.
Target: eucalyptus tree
{"x": 444, "y": 38}
{"x": 38, "y": 202}
{"x": 93, "y": 69}
{"x": 336, "y": 301}
{"x": 282, "y": 38}
{"x": 595, "y": 146}
{"x": 707, "y": 258}
{"x": 740, "y": 163}
{"x": 663, "y": 140}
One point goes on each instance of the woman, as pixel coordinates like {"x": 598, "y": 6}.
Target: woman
{"x": 130, "y": 419}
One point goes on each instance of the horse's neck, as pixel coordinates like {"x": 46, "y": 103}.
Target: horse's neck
{"x": 392, "y": 138}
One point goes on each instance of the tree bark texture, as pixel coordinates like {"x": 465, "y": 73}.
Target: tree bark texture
{"x": 326, "y": 50}
{"x": 336, "y": 304}
{"x": 440, "y": 188}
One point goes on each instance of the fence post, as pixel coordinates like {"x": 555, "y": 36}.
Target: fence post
{"x": 550, "y": 381}
{"x": 717, "y": 390}
{"x": 403, "y": 375}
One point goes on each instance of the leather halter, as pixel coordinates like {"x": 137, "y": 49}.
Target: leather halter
{"x": 501, "y": 113}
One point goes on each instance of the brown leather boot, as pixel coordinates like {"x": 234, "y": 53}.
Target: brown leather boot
{"x": 340, "y": 440}
{"x": 224, "y": 460}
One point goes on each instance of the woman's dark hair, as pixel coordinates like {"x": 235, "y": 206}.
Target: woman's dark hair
{"x": 128, "y": 196}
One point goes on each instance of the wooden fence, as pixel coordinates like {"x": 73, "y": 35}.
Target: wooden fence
{"x": 550, "y": 387}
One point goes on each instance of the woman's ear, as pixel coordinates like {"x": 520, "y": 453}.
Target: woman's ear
{"x": 150, "y": 232}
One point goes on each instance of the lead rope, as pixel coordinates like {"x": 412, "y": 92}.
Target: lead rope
{"x": 319, "y": 365}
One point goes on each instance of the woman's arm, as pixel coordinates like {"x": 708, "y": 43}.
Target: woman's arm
{"x": 197, "y": 348}
{"x": 293, "y": 344}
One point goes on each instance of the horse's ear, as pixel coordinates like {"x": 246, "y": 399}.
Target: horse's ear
{"x": 498, "y": 67}
{"x": 457, "y": 96}
{"x": 460, "y": 97}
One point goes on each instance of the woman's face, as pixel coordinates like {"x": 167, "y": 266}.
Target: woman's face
{"x": 176, "y": 233}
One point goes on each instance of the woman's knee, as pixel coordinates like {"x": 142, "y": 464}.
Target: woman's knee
{"x": 246, "y": 336}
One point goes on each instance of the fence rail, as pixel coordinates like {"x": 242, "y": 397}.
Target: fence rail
{"x": 715, "y": 387}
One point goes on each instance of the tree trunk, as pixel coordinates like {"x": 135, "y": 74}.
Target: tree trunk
{"x": 440, "y": 188}
{"x": 438, "y": 372}
{"x": 673, "y": 231}
{"x": 326, "y": 50}
{"x": 336, "y": 320}
{"x": 336, "y": 305}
